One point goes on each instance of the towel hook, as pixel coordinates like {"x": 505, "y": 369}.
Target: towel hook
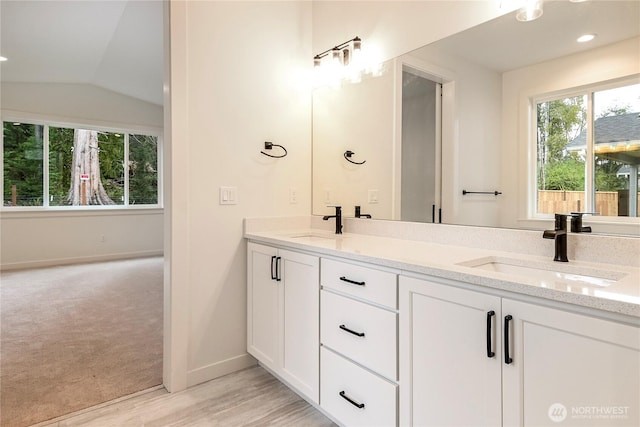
{"x": 348, "y": 154}
{"x": 269, "y": 145}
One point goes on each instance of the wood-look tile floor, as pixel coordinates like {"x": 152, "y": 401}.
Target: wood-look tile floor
{"x": 251, "y": 397}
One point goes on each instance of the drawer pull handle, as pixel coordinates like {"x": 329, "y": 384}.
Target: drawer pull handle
{"x": 353, "y": 282}
{"x": 490, "y": 352}
{"x": 350, "y": 400}
{"x": 359, "y": 334}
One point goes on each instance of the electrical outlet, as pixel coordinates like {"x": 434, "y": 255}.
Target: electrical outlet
{"x": 293, "y": 195}
{"x": 228, "y": 195}
{"x": 373, "y": 196}
{"x": 102, "y": 238}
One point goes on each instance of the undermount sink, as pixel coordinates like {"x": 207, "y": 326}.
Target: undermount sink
{"x": 314, "y": 236}
{"x": 546, "y": 272}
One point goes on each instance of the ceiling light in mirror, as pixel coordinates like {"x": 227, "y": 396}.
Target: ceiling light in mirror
{"x": 586, "y": 38}
{"x": 531, "y": 11}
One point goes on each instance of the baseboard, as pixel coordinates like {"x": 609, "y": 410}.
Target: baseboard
{"x": 218, "y": 369}
{"x": 77, "y": 260}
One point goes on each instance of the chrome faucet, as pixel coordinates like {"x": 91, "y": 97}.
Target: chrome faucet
{"x": 338, "y": 217}
{"x": 559, "y": 234}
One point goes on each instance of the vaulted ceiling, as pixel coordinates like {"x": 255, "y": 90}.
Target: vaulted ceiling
{"x": 116, "y": 45}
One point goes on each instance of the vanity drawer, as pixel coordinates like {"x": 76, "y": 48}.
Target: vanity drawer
{"x": 360, "y": 331}
{"x": 367, "y": 283}
{"x": 342, "y": 380}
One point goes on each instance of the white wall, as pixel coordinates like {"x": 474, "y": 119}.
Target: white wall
{"x": 237, "y": 80}
{"x": 356, "y": 117}
{"x": 396, "y": 27}
{"x": 610, "y": 62}
{"x": 31, "y": 239}
{"x": 75, "y": 103}
{"x": 39, "y": 239}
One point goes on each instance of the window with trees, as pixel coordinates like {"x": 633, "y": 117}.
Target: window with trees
{"x": 588, "y": 152}
{"x": 83, "y": 167}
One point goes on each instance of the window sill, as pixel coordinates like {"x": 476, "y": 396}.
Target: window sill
{"x": 618, "y": 226}
{"x": 63, "y": 211}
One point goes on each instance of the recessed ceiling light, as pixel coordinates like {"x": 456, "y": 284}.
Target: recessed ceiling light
{"x": 586, "y": 38}
{"x": 531, "y": 11}
{"x": 2, "y": 58}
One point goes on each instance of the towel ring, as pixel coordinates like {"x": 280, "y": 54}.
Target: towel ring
{"x": 269, "y": 146}
{"x": 348, "y": 154}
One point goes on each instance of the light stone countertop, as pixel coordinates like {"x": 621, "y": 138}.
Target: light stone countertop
{"x": 447, "y": 262}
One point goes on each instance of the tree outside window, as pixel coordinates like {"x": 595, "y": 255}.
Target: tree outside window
{"x": 589, "y": 165}
{"x": 85, "y": 167}
{"x": 23, "y": 161}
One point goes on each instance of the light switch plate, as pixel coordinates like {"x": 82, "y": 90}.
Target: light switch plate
{"x": 228, "y": 195}
{"x": 373, "y": 196}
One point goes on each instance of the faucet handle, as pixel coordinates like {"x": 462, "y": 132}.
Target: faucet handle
{"x": 560, "y": 221}
{"x": 576, "y": 222}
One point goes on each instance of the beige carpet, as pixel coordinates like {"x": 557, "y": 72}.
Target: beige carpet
{"x": 76, "y": 336}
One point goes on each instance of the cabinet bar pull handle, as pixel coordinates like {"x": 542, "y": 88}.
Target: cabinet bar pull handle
{"x": 490, "y": 352}
{"x": 273, "y": 272}
{"x": 278, "y": 278}
{"x": 350, "y": 400}
{"x": 344, "y": 328}
{"x": 507, "y": 358}
{"x": 353, "y": 282}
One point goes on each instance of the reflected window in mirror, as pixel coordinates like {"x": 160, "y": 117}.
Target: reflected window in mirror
{"x": 588, "y": 151}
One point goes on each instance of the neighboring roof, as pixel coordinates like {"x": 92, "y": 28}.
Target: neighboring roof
{"x": 616, "y": 138}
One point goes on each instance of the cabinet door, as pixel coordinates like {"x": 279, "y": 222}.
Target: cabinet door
{"x": 446, "y": 376}
{"x": 570, "y": 368}
{"x": 262, "y": 305}
{"x": 300, "y": 320}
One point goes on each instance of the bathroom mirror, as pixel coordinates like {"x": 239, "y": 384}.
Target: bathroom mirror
{"x": 365, "y": 118}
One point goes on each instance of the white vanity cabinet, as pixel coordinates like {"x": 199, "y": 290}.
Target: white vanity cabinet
{"x": 573, "y": 369}
{"x": 447, "y": 377}
{"x": 358, "y": 332}
{"x": 283, "y": 314}
{"x": 547, "y": 366}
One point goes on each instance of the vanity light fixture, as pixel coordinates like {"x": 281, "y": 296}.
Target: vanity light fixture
{"x": 340, "y": 52}
{"x": 586, "y": 38}
{"x": 2, "y": 59}
{"x": 531, "y": 11}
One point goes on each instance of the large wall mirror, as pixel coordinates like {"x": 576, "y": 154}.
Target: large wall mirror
{"x": 432, "y": 123}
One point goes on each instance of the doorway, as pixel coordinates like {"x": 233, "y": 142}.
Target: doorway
{"x": 421, "y": 145}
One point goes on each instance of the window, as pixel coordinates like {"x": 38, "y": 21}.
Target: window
{"x": 588, "y": 152}
{"x": 86, "y": 167}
